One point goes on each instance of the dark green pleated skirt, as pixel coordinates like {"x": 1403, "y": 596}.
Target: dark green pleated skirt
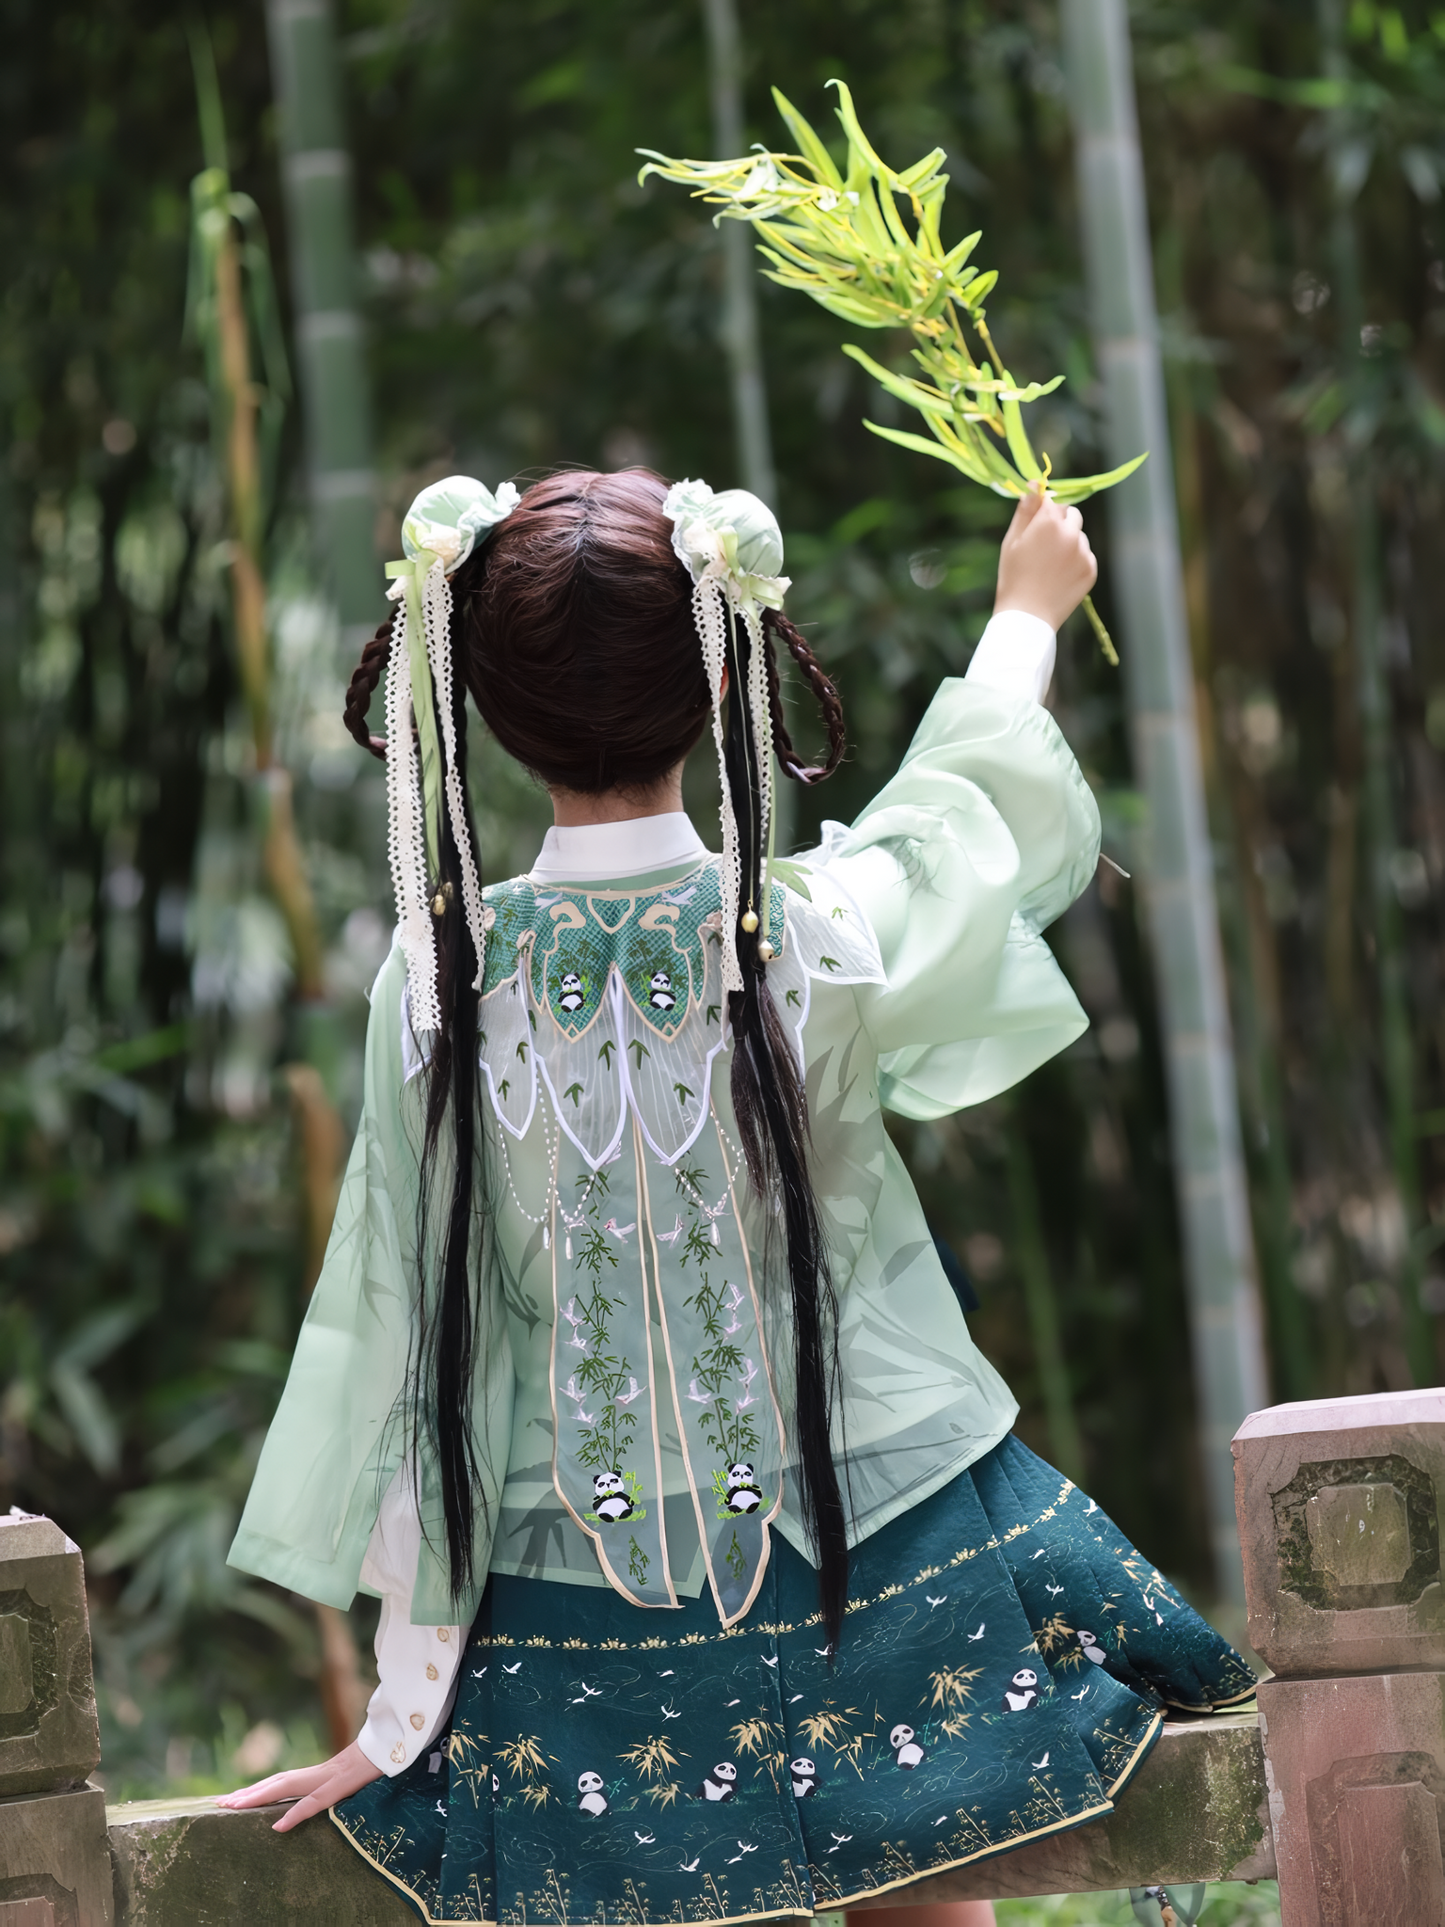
{"x": 1003, "y": 1669}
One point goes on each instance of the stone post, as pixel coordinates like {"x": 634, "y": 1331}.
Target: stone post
{"x": 1340, "y": 1505}
{"x": 54, "y": 1857}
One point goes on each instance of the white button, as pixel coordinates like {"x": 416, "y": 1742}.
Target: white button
{"x": 431, "y": 1671}
{"x": 418, "y": 1720}
{"x": 443, "y": 1634}
{"x": 398, "y": 1752}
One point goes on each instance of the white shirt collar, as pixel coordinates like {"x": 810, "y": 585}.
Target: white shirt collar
{"x": 589, "y": 852}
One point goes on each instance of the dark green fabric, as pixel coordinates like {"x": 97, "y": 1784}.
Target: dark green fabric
{"x": 1003, "y": 1571}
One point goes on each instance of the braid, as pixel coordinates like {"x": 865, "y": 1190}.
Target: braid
{"x": 776, "y": 623}
{"x": 362, "y": 687}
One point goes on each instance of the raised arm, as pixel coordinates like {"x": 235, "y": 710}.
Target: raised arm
{"x": 986, "y": 834}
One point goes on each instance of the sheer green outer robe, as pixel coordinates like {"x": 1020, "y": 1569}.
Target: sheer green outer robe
{"x": 984, "y": 836}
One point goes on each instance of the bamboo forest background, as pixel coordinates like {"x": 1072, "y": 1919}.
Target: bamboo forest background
{"x": 526, "y": 303}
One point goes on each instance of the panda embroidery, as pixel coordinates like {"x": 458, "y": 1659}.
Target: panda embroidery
{"x": 744, "y": 1494}
{"x": 1092, "y": 1649}
{"x": 805, "y": 1778}
{"x": 590, "y": 1797}
{"x": 906, "y": 1750}
{"x": 1021, "y": 1692}
{"x": 662, "y": 997}
{"x": 610, "y": 1502}
{"x": 719, "y": 1784}
{"x": 572, "y": 998}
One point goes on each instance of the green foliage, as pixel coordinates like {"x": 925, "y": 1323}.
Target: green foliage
{"x": 528, "y": 303}
{"x": 150, "y": 1233}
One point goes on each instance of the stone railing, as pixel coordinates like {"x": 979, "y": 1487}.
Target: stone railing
{"x": 54, "y": 1856}
{"x": 1340, "y": 1506}
{"x": 1341, "y": 1779}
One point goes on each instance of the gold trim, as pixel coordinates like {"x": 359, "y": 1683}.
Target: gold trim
{"x": 983, "y": 1853}
{"x": 1136, "y": 1757}
{"x": 433, "y": 1920}
{"x": 1212, "y": 1706}
{"x": 833, "y": 1905}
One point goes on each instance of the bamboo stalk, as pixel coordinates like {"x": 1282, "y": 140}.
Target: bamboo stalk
{"x": 1178, "y": 879}
{"x": 740, "y": 333}
{"x": 243, "y": 477}
{"x": 336, "y": 398}
{"x": 282, "y": 859}
{"x": 740, "y": 297}
{"x": 335, "y": 389}
{"x": 1249, "y": 942}
{"x": 1377, "y": 813}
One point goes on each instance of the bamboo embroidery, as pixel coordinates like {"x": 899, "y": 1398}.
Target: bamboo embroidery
{"x": 603, "y": 1376}
{"x": 725, "y": 1418}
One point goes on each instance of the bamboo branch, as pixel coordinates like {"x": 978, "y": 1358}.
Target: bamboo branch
{"x": 843, "y": 241}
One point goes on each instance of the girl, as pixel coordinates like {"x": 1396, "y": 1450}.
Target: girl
{"x": 714, "y": 1585}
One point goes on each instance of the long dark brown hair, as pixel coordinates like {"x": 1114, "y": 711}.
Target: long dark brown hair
{"x": 573, "y": 630}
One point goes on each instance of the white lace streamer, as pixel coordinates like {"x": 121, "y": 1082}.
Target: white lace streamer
{"x": 437, "y": 620}
{"x": 710, "y": 613}
{"x": 406, "y": 835}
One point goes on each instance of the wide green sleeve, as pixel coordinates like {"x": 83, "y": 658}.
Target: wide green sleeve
{"x": 986, "y": 834}
{"x": 339, "y": 1433}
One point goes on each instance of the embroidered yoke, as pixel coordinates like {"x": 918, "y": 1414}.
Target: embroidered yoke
{"x": 602, "y": 1014}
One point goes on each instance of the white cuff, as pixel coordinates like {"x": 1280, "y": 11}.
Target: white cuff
{"x": 416, "y": 1666}
{"x": 1015, "y": 655}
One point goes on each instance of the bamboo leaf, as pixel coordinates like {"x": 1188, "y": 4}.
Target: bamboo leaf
{"x": 1083, "y": 486}
{"x": 812, "y": 147}
{"x": 857, "y": 140}
{"x": 912, "y": 178}
{"x": 1019, "y": 445}
{"x": 903, "y": 386}
{"x": 956, "y": 257}
{"x": 1032, "y": 392}
{"x": 954, "y": 457}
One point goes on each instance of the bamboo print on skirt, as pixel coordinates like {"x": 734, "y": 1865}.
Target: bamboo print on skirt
{"x": 1005, "y": 1663}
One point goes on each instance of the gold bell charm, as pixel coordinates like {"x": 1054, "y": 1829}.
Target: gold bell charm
{"x": 750, "y": 921}
{"x": 766, "y": 952}
{"x": 440, "y": 901}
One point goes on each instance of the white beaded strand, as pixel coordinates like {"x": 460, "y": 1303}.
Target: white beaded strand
{"x": 437, "y": 613}
{"x": 551, "y": 1145}
{"x": 710, "y": 612}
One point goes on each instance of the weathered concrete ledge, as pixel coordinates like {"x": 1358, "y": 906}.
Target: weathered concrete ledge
{"x": 190, "y": 1863}
{"x": 1196, "y": 1811}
